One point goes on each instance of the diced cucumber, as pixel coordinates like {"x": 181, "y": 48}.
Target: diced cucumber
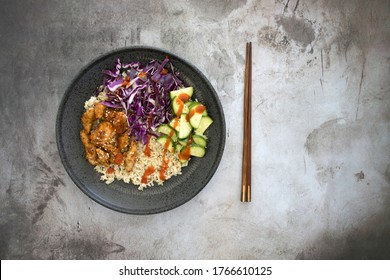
{"x": 167, "y": 130}
{"x": 179, "y": 107}
{"x": 195, "y": 120}
{"x": 183, "y": 160}
{"x": 199, "y": 140}
{"x": 182, "y": 126}
{"x": 185, "y": 127}
{"x": 188, "y": 91}
{"x": 196, "y": 113}
{"x": 205, "y": 122}
{"x": 197, "y": 151}
{"x": 183, "y": 142}
{"x": 185, "y": 133}
{"x": 184, "y": 154}
{"x": 188, "y": 104}
{"x": 178, "y": 147}
{"x": 193, "y": 104}
{"x": 166, "y": 142}
{"x": 175, "y": 124}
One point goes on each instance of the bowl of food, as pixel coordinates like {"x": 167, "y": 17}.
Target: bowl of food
{"x": 140, "y": 130}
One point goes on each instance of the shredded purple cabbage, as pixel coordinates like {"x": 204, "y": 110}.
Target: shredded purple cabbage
{"x": 143, "y": 92}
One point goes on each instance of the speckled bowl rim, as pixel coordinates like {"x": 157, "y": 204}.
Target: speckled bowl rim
{"x": 149, "y": 200}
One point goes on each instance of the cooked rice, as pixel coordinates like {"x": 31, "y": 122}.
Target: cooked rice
{"x": 94, "y": 100}
{"x": 142, "y": 163}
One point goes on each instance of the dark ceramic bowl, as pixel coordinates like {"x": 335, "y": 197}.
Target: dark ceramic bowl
{"x": 118, "y": 195}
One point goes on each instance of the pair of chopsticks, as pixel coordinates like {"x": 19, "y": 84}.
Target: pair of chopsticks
{"x": 247, "y": 151}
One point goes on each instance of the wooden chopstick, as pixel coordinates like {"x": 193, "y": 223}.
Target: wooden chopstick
{"x": 247, "y": 152}
{"x": 249, "y": 167}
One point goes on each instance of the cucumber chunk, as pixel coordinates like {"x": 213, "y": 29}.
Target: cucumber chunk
{"x": 178, "y": 147}
{"x": 185, "y": 127}
{"x": 187, "y": 91}
{"x": 199, "y": 140}
{"x": 197, "y": 151}
{"x": 196, "y": 114}
{"x": 179, "y": 107}
{"x": 182, "y": 126}
{"x": 166, "y": 142}
{"x": 183, "y": 142}
{"x": 175, "y": 124}
{"x": 168, "y": 130}
{"x": 192, "y": 104}
{"x": 205, "y": 122}
{"x": 188, "y": 104}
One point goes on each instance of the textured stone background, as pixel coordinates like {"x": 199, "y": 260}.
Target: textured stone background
{"x": 321, "y": 140}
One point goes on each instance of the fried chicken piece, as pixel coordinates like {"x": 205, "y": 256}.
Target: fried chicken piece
{"x": 84, "y": 137}
{"x": 87, "y": 119}
{"x": 112, "y": 149}
{"x": 100, "y": 109}
{"x": 117, "y": 118}
{"x": 123, "y": 141}
{"x": 120, "y": 122}
{"x": 130, "y": 156}
{"x": 91, "y": 155}
{"x": 90, "y": 150}
{"x": 104, "y": 135}
{"x": 110, "y": 114}
{"x": 102, "y": 157}
{"x": 116, "y": 156}
{"x": 118, "y": 159}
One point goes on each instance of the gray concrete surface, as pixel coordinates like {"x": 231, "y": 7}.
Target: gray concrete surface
{"x": 321, "y": 139}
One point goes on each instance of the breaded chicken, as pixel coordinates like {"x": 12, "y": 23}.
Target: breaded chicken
{"x": 130, "y": 156}
{"x": 87, "y": 119}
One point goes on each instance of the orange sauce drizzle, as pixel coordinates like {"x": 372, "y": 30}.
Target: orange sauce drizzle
{"x": 149, "y": 171}
{"x": 186, "y": 153}
{"x": 166, "y": 145}
{"x": 198, "y": 109}
{"x": 118, "y": 159}
{"x": 175, "y": 122}
{"x": 183, "y": 97}
{"x": 126, "y": 82}
{"x": 180, "y": 105}
{"x": 163, "y": 168}
{"x": 165, "y": 162}
{"x": 147, "y": 150}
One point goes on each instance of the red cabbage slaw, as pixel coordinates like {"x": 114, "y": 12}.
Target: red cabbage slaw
{"x": 143, "y": 92}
